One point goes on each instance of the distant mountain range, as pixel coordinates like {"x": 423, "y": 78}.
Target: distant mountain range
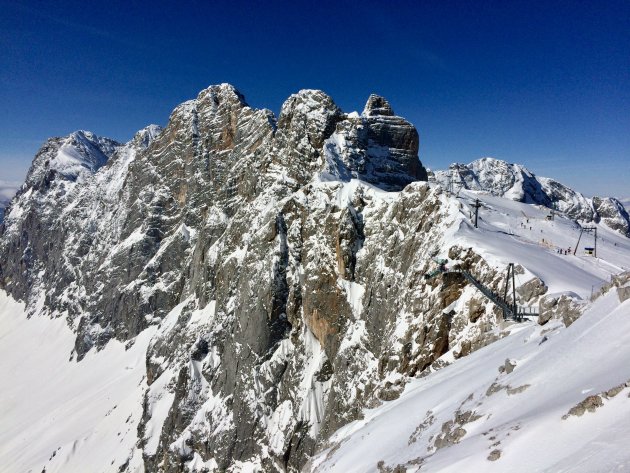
{"x": 7, "y": 191}
{"x": 516, "y": 182}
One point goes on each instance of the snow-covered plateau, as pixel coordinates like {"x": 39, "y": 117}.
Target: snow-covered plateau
{"x": 238, "y": 292}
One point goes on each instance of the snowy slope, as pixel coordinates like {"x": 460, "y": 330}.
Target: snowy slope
{"x": 80, "y": 153}
{"x": 59, "y": 415}
{"x": 511, "y": 231}
{"x": 517, "y": 415}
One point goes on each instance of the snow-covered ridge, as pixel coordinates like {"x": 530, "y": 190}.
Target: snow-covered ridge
{"x": 516, "y": 182}
{"x": 70, "y": 157}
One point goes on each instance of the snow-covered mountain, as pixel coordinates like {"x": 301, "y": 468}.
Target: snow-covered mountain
{"x": 227, "y": 293}
{"x": 73, "y": 157}
{"x": 516, "y": 182}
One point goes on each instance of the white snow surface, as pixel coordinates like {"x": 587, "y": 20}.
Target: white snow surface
{"x": 511, "y": 231}
{"x": 59, "y": 414}
{"x": 78, "y": 155}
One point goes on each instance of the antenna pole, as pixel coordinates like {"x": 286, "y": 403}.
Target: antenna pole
{"x": 514, "y": 292}
{"x": 476, "y": 205}
{"x": 578, "y": 242}
{"x": 505, "y": 289}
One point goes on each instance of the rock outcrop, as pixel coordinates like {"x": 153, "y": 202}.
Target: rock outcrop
{"x": 377, "y": 147}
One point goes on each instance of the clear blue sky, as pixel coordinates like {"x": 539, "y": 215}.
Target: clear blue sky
{"x": 542, "y": 83}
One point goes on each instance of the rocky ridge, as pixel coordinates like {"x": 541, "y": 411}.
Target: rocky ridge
{"x": 282, "y": 261}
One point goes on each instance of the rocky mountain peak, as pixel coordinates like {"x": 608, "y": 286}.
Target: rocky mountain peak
{"x": 613, "y": 213}
{"x": 312, "y": 111}
{"x": 377, "y": 105}
{"x": 70, "y": 157}
{"x": 222, "y": 95}
{"x": 214, "y": 102}
{"x": 144, "y": 137}
{"x": 225, "y": 211}
{"x": 306, "y": 120}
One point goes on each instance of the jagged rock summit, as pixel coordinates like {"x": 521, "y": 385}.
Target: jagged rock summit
{"x": 70, "y": 158}
{"x": 228, "y": 234}
{"x": 377, "y": 105}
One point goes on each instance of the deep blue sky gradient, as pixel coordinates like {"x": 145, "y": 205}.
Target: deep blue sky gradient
{"x": 545, "y": 84}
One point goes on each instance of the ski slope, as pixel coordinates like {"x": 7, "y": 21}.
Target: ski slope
{"x": 511, "y": 231}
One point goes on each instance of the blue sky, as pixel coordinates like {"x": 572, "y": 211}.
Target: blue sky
{"x": 544, "y": 84}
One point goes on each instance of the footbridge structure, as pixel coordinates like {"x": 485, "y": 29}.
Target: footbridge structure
{"x": 511, "y": 310}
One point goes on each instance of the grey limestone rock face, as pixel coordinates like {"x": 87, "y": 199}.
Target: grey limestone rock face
{"x": 531, "y": 289}
{"x": 613, "y": 213}
{"x": 267, "y": 255}
{"x": 376, "y": 147}
{"x": 35, "y": 226}
{"x": 623, "y": 293}
{"x": 560, "y": 307}
{"x": 377, "y": 106}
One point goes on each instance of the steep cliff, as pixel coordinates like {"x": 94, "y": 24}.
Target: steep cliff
{"x": 250, "y": 243}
